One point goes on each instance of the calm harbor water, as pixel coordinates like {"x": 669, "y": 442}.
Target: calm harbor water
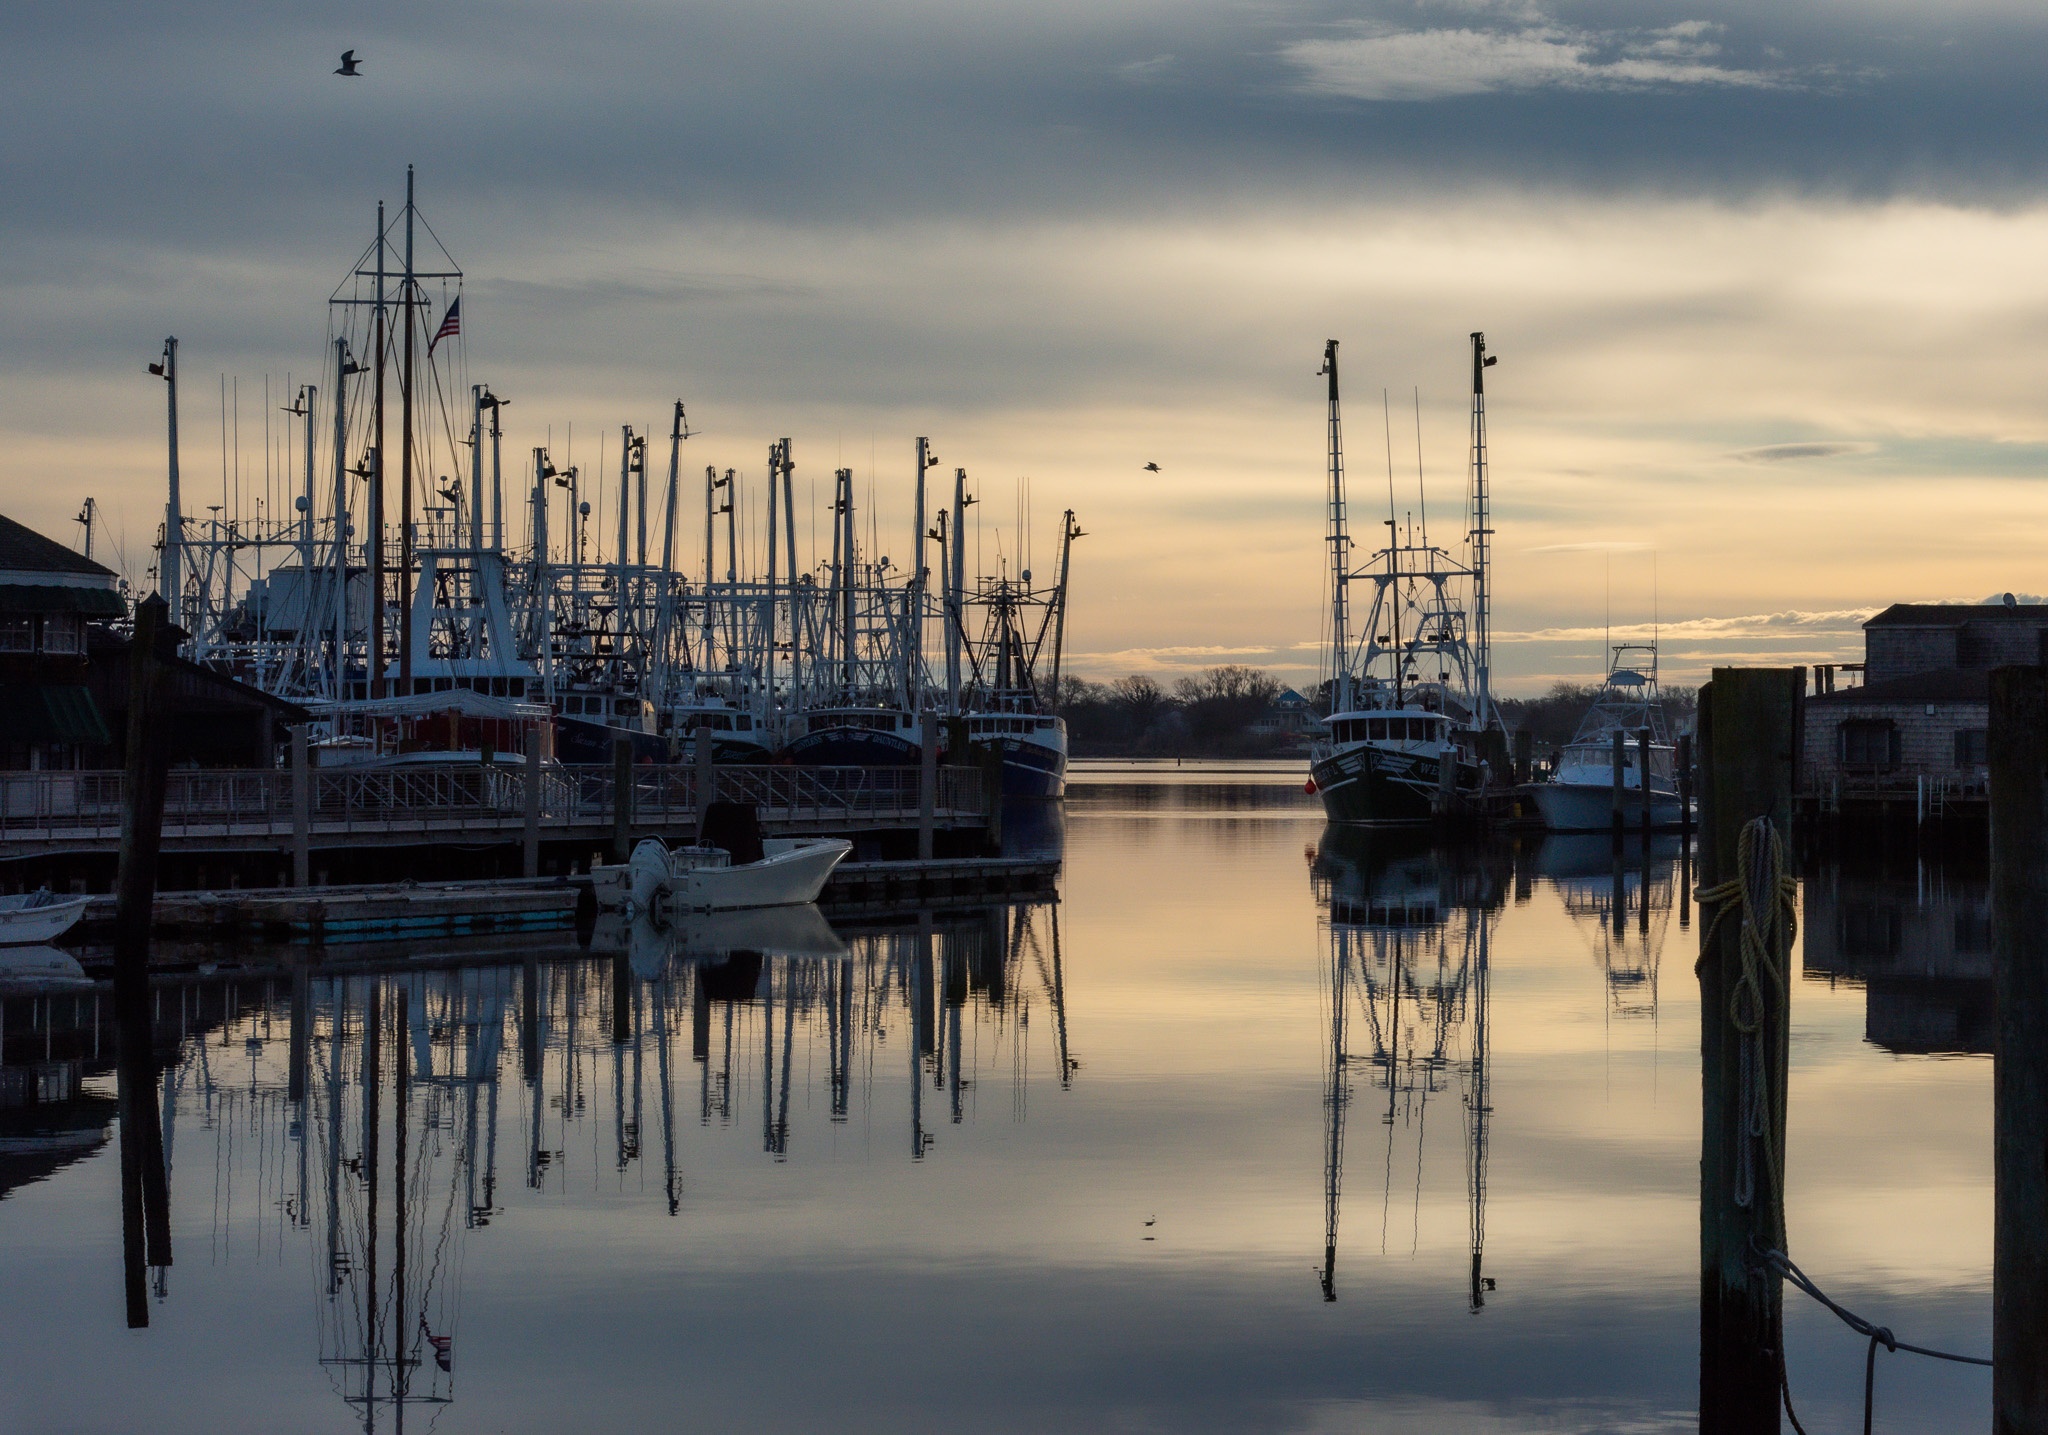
{"x": 1258, "y": 1127}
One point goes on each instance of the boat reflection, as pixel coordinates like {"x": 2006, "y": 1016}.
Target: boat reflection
{"x": 1620, "y": 897}
{"x": 1409, "y": 929}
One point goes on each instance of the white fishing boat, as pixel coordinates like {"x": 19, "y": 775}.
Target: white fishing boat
{"x": 1581, "y": 796}
{"x": 662, "y": 882}
{"x": 27, "y": 918}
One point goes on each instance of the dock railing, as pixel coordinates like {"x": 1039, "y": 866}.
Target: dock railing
{"x": 42, "y": 808}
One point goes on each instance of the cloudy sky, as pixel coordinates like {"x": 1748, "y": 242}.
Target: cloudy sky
{"x": 1764, "y": 280}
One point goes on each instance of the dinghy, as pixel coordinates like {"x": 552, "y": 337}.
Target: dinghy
{"x": 661, "y": 882}
{"x": 40, "y": 916}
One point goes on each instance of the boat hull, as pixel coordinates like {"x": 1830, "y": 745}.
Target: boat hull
{"x": 1031, "y": 772}
{"x": 22, "y": 925}
{"x": 1384, "y": 787}
{"x": 853, "y": 747}
{"x": 580, "y": 742}
{"x": 1589, "y": 807}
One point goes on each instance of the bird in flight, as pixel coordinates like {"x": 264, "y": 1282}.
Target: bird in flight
{"x": 348, "y": 65}
{"x": 1151, "y": 468}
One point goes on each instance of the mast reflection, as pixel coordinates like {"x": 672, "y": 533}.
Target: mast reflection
{"x": 1409, "y": 930}
{"x": 356, "y": 1115}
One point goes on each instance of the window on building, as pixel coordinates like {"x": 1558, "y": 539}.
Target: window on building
{"x": 63, "y": 633}
{"x": 1972, "y": 746}
{"x": 1867, "y": 742}
{"x": 17, "y": 633}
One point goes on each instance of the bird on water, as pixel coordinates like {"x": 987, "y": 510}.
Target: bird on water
{"x": 348, "y": 65}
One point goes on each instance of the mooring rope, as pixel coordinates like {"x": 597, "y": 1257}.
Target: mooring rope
{"x": 1766, "y": 896}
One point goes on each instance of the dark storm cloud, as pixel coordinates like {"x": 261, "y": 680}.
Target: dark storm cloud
{"x": 161, "y": 121}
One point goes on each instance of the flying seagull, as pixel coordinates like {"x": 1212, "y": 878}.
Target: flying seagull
{"x": 1151, "y": 468}
{"x": 348, "y": 65}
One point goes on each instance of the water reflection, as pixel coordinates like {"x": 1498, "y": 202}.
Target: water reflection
{"x": 1921, "y": 949}
{"x": 1620, "y": 897}
{"x": 1409, "y": 929}
{"x": 363, "y": 1118}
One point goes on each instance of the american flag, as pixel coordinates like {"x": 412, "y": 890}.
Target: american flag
{"x": 444, "y": 1345}
{"x": 451, "y": 324}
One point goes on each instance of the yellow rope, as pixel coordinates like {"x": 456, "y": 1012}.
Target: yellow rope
{"x": 1769, "y": 918}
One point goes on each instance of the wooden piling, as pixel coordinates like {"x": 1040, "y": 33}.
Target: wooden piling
{"x": 2018, "y": 753}
{"x": 302, "y": 810}
{"x": 928, "y": 788}
{"x": 1682, "y": 762}
{"x": 146, "y": 1191}
{"x": 1643, "y": 777}
{"x": 1525, "y": 749}
{"x": 1748, "y": 733}
{"x": 622, "y": 799}
{"x": 530, "y": 840}
{"x": 1617, "y": 798}
{"x": 707, "y": 772}
{"x": 1446, "y": 783}
{"x": 992, "y": 795}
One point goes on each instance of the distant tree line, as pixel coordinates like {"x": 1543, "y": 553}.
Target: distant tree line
{"x": 1553, "y": 718}
{"x": 1212, "y": 714}
{"x": 1207, "y": 714}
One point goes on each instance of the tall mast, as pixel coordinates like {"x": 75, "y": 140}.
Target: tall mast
{"x": 666, "y": 598}
{"x": 768, "y": 658}
{"x": 342, "y": 369}
{"x": 848, "y": 576}
{"x": 1481, "y": 534}
{"x": 1069, "y": 531}
{"x": 796, "y": 668}
{"x": 1340, "y": 608}
{"x": 476, "y": 468}
{"x": 376, "y": 644}
{"x": 172, "y": 567}
{"x": 710, "y": 528}
{"x": 925, "y": 460}
{"x": 956, "y": 586}
{"x": 497, "y": 473}
{"x": 405, "y": 466}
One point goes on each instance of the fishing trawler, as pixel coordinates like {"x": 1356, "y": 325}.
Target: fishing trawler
{"x": 383, "y": 570}
{"x": 1411, "y": 716}
{"x": 1581, "y": 797}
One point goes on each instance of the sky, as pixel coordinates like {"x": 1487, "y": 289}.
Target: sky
{"x": 1763, "y": 280}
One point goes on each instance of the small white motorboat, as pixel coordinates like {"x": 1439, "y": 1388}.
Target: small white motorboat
{"x": 661, "y": 882}
{"x": 40, "y": 916}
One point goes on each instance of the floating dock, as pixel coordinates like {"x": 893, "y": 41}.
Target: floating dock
{"x": 335, "y": 916}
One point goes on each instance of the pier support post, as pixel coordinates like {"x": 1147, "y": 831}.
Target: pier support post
{"x": 1748, "y": 733}
{"x": 1643, "y": 777}
{"x": 928, "y": 788}
{"x": 622, "y": 799}
{"x": 145, "y": 1200}
{"x": 1682, "y": 762}
{"x": 1446, "y": 784}
{"x": 707, "y": 773}
{"x": 992, "y": 795}
{"x": 302, "y": 810}
{"x": 2019, "y": 906}
{"x": 531, "y": 837}
{"x": 1525, "y": 751}
{"x": 1616, "y": 799}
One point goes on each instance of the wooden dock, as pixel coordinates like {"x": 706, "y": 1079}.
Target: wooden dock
{"x": 62, "y": 814}
{"x": 336, "y": 916}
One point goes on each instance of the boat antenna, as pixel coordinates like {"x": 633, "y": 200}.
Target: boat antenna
{"x": 1387, "y": 424}
{"x": 1421, "y": 493}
